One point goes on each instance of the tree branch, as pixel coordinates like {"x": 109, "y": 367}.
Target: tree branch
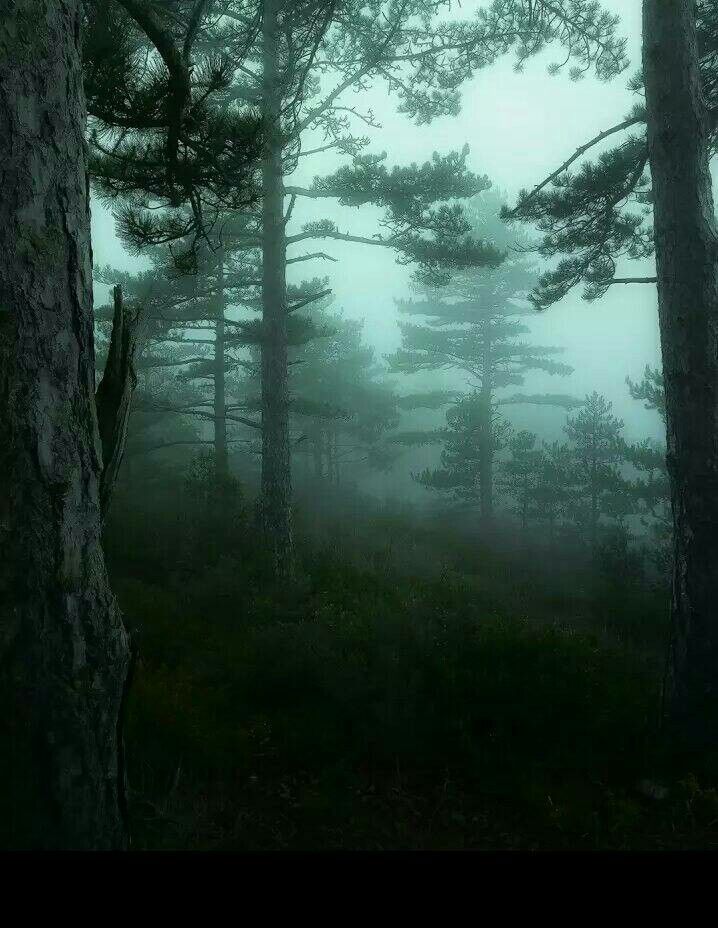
{"x": 634, "y": 120}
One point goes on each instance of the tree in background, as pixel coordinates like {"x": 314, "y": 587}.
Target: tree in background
{"x": 651, "y": 489}
{"x": 600, "y": 214}
{"x": 474, "y": 433}
{"x": 596, "y": 482}
{"x": 341, "y": 403}
{"x": 552, "y": 493}
{"x": 597, "y": 453}
{"x": 341, "y": 407}
{"x": 422, "y": 60}
{"x": 280, "y": 58}
{"x": 176, "y": 149}
{"x": 651, "y": 390}
{"x": 471, "y": 324}
{"x": 522, "y": 477}
{"x": 190, "y": 342}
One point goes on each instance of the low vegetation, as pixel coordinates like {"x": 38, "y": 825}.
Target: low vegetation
{"x": 386, "y": 699}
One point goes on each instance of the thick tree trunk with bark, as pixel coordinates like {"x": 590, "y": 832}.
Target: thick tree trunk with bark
{"x": 276, "y": 461}
{"x": 685, "y": 235}
{"x": 220, "y": 401}
{"x": 63, "y": 648}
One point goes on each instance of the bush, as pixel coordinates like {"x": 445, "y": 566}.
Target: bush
{"x": 380, "y": 702}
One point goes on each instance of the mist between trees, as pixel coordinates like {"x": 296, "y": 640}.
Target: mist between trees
{"x": 366, "y": 598}
{"x": 356, "y": 420}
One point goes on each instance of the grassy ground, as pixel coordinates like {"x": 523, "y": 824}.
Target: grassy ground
{"x": 378, "y": 703}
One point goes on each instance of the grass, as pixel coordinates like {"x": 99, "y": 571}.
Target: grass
{"x": 372, "y": 705}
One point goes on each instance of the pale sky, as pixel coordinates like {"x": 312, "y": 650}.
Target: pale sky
{"x": 519, "y": 127}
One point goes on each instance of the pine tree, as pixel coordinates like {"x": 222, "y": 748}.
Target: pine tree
{"x": 167, "y": 128}
{"x": 281, "y": 60}
{"x": 553, "y": 493}
{"x": 602, "y": 213}
{"x": 520, "y": 474}
{"x": 596, "y": 214}
{"x": 474, "y": 433}
{"x": 342, "y": 406}
{"x": 599, "y": 490}
{"x": 651, "y": 390}
{"x": 188, "y": 345}
{"x": 423, "y": 61}
{"x": 471, "y": 323}
{"x": 651, "y": 488}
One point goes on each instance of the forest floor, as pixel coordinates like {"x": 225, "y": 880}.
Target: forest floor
{"x": 391, "y": 698}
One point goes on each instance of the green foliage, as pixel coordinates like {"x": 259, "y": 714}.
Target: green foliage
{"x": 586, "y": 217}
{"x": 651, "y": 390}
{"x": 651, "y": 488}
{"x": 472, "y": 324}
{"x": 150, "y": 84}
{"x": 432, "y": 399}
{"x": 597, "y": 451}
{"x": 343, "y": 404}
{"x": 521, "y": 474}
{"x": 475, "y": 431}
{"x": 407, "y": 192}
{"x": 594, "y": 214}
{"x": 372, "y": 708}
{"x": 424, "y": 229}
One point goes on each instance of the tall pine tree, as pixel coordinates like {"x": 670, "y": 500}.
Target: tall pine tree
{"x": 601, "y": 213}
{"x": 472, "y": 323}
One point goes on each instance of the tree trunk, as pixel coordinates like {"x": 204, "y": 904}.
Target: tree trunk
{"x": 685, "y": 236}
{"x": 276, "y": 462}
{"x": 63, "y": 648}
{"x": 334, "y": 451}
{"x": 593, "y": 523}
{"x": 486, "y": 454}
{"x": 113, "y": 399}
{"x": 220, "y": 402}
{"x": 317, "y": 452}
{"x": 486, "y": 476}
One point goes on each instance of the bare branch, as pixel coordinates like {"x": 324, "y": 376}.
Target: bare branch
{"x": 627, "y": 123}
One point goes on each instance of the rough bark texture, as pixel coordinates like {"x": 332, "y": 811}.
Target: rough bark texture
{"x": 113, "y": 398}
{"x": 64, "y": 650}
{"x": 685, "y": 236}
{"x": 276, "y": 461}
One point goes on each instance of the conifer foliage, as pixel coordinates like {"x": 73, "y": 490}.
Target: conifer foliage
{"x": 471, "y": 324}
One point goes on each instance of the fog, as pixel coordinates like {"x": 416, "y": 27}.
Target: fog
{"x": 395, "y": 563}
{"x": 520, "y": 127}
